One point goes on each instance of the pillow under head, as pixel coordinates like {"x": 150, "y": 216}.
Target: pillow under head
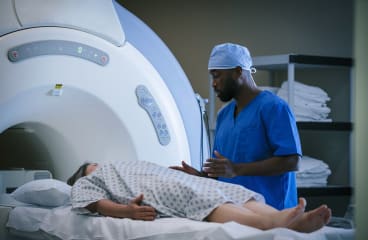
{"x": 44, "y": 192}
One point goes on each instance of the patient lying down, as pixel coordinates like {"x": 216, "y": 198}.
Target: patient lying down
{"x": 143, "y": 191}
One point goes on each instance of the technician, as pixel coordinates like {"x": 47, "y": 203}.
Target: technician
{"x": 256, "y": 142}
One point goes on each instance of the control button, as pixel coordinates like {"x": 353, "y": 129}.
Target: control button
{"x": 14, "y": 54}
{"x": 103, "y": 59}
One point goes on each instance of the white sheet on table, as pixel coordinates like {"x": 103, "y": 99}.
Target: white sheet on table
{"x": 27, "y": 219}
{"x": 65, "y": 224}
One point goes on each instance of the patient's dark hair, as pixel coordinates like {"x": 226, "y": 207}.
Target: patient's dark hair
{"x": 81, "y": 172}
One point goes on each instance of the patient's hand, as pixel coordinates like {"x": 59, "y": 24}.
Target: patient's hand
{"x": 133, "y": 210}
{"x": 138, "y": 212}
{"x": 187, "y": 169}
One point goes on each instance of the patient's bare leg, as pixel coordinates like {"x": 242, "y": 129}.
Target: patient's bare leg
{"x": 264, "y": 209}
{"x": 307, "y": 222}
{"x": 245, "y": 216}
{"x": 312, "y": 220}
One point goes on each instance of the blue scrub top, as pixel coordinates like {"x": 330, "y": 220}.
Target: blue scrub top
{"x": 266, "y": 127}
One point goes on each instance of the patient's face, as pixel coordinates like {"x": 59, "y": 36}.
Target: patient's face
{"x": 90, "y": 168}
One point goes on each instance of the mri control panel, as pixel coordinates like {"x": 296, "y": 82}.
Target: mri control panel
{"x": 58, "y": 47}
{"x": 148, "y": 103}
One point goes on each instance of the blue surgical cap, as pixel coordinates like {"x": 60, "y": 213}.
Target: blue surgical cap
{"x": 229, "y": 55}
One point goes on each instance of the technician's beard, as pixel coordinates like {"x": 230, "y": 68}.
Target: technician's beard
{"x": 228, "y": 93}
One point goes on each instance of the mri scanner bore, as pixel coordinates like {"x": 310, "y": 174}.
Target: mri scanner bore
{"x": 73, "y": 89}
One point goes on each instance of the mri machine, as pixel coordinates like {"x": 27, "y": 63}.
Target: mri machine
{"x": 88, "y": 81}
{"x": 92, "y": 82}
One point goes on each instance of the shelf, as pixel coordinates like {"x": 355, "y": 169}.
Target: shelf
{"x": 291, "y": 63}
{"x": 325, "y": 191}
{"x": 329, "y": 126}
{"x": 279, "y": 61}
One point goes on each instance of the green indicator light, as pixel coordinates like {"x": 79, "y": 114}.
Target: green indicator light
{"x": 80, "y": 50}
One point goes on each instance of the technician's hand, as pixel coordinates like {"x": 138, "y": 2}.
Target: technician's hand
{"x": 187, "y": 169}
{"x": 219, "y": 167}
{"x": 138, "y": 212}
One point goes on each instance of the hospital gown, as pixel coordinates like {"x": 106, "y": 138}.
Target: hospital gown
{"x": 171, "y": 192}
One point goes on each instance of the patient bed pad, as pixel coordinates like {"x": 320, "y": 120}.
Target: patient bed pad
{"x": 76, "y": 226}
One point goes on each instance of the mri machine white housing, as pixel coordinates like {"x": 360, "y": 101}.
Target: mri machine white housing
{"x": 77, "y": 80}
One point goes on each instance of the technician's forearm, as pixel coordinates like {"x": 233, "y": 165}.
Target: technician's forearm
{"x": 268, "y": 167}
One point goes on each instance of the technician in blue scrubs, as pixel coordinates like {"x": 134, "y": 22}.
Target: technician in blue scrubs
{"x": 256, "y": 143}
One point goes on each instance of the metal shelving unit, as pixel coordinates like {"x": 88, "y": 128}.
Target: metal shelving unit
{"x": 328, "y": 126}
{"x": 291, "y": 62}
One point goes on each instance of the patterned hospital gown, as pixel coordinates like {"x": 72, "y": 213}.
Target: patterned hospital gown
{"x": 171, "y": 192}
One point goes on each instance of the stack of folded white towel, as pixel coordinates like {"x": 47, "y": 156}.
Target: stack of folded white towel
{"x": 309, "y": 102}
{"x": 312, "y": 172}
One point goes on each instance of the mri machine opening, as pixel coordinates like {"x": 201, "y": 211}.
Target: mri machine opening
{"x": 73, "y": 89}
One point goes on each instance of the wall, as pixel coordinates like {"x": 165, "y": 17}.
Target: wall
{"x": 361, "y": 113}
{"x": 191, "y": 28}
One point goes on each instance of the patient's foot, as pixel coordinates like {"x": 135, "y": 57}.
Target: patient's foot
{"x": 288, "y": 216}
{"x": 312, "y": 220}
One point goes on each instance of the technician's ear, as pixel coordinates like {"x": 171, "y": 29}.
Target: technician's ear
{"x": 238, "y": 72}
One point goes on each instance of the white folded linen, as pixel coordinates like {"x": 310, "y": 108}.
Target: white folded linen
{"x": 305, "y": 89}
{"x": 312, "y": 172}
{"x": 309, "y": 102}
{"x": 310, "y": 164}
{"x": 311, "y": 176}
{"x": 311, "y": 182}
{"x": 301, "y": 96}
{"x": 308, "y": 119}
{"x": 312, "y": 114}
